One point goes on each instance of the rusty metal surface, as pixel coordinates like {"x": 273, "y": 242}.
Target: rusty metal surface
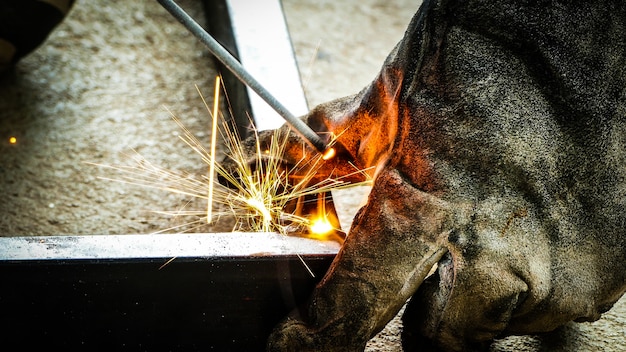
{"x": 256, "y": 34}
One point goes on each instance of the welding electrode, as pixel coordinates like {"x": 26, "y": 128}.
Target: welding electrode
{"x": 240, "y": 72}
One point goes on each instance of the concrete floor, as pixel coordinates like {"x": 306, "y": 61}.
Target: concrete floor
{"x": 94, "y": 93}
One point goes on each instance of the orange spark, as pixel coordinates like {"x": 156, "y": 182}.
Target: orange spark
{"x": 216, "y": 99}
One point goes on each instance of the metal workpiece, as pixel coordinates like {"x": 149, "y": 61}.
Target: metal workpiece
{"x": 243, "y": 75}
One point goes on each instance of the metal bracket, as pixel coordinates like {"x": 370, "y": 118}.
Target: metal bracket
{"x": 255, "y": 32}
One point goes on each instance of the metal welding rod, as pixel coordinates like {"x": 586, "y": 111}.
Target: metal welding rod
{"x": 240, "y": 72}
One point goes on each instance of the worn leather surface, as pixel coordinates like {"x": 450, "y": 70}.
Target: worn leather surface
{"x": 496, "y": 130}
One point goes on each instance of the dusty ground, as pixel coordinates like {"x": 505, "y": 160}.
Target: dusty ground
{"x": 94, "y": 93}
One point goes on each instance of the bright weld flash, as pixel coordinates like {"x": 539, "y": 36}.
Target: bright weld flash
{"x": 12, "y": 140}
{"x": 321, "y": 226}
{"x": 329, "y": 154}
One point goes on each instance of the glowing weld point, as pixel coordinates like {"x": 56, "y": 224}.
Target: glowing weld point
{"x": 321, "y": 226}
{"x": 12, "y": 140}
{"x": 329, "y": 154}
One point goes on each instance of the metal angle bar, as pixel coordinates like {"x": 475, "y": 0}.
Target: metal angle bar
{"x": 219, "y": 24}
{"x": 247, "y": 29}
{"x": 240, "y": 72}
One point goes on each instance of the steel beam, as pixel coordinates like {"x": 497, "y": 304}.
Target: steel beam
{"x": 180, "y": 292}
{"x": 255, "y": 32}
